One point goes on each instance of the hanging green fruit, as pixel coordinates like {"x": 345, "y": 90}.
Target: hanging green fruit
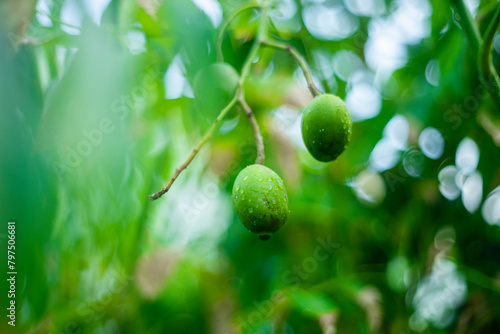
{"x": 260, "y": 200}
{"x": 326, "y": 127}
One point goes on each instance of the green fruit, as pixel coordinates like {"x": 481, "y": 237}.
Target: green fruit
{"x": 260, "y": 200}
{"x": 326, "y": 127}
{"x": 214, "y": 87}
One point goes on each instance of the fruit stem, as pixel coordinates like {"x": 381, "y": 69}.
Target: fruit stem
{"x": 195, "y": 151}
{"x": 220, "y": 56}
{"x": 299, "y": 59}
{"x": 262, "y": 32}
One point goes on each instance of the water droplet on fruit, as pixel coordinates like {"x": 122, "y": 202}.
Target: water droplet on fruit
{"x": 242, "y": 191}
{"x": 250, "y": 210}
{"x": 246, "y": 177}
{"x": 260, "y": 180}
{"x": 237, "y": 188}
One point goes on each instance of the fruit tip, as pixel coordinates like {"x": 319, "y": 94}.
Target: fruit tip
{"x": 264, "y": 237}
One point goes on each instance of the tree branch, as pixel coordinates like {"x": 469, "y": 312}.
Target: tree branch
{"x": 238, "y": 97}
{"x": 195, "y": 151}
{"x": 299, "y": 59}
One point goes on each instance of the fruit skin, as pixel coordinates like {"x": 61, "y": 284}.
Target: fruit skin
{"x": 214, "y": 87}
{"x": 260, "y": 200}
{"x": 326, "y": 127}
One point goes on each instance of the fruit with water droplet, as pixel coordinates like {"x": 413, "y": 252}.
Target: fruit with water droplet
{"x": 214, "y": 87}
{"x": 326, "y": 112}
{"x": 267, "y": 209}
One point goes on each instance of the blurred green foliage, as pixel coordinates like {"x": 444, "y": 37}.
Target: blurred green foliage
{"x": 398, "y": 235}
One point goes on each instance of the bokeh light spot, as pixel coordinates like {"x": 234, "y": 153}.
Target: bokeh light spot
{"x": 369, "y": 188}
{"x": 431, "y": 142}
{"x": 447, "y": 184}
{"x": 363, "y": 102}
{"x": 467, "y": 156}
{"x": 329, "y": 22}
{"x": 491, "y": 208}
{"x": 472, "y": 192}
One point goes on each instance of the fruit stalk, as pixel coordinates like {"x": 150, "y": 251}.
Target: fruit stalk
{"x": 261, "y": 156}
{"x": 299, "y": 59}
{"x": 241, "y": 93}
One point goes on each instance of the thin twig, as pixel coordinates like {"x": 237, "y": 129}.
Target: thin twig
{"x": 220, "y": 56}
{"x": 195, "y": 151}
{"x": 261, "y": 155}
{"x": 299, "y": 59}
